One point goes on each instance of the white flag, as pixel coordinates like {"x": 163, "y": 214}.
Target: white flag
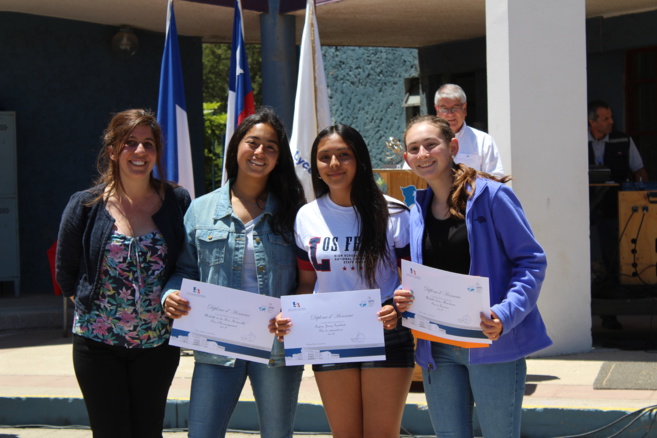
{"x": 311, "y": 105}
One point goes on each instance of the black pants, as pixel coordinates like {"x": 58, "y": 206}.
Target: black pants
{"x": 125, "y": 389}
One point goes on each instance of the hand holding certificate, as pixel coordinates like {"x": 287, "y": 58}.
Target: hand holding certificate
{"x": 447, "y": 306}
{"x": 334, "y": 327}
{"x": 225, "y": 321}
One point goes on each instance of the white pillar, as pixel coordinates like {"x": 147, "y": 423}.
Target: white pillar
{"x": 536, "y": 57}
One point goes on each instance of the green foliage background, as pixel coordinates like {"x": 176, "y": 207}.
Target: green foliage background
{"x": 216, "y": 65}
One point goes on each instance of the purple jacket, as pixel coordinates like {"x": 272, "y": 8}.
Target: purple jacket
{"x": 502, "y": 248}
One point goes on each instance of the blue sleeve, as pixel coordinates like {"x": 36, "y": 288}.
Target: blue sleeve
{"x": 526, "y": 257}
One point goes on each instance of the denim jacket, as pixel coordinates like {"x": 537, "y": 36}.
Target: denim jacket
{"x": 214, "y": 252}
{"x": 85, "y": 231}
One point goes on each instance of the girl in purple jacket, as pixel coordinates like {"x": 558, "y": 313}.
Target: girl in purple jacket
{"x": 469, "y": 222}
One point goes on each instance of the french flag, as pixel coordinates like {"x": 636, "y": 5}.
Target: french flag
{"x": 172, "y": 111}
{"x": 240, "y": 93}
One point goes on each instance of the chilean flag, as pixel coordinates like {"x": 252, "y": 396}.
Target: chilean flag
{"x": 172, "y": 111}
{"x": 240, "y": 93}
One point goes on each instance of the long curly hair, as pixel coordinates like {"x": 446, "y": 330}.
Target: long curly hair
{"x": 465, "y": 178}
{"x": 369, "y": 203}
{"x": 282, "y": 181}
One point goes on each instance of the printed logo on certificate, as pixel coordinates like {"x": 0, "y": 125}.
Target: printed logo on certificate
{"x": 447, "y": 305}
{"x": 226, "y": 321}
{"x": 333, "y": 327}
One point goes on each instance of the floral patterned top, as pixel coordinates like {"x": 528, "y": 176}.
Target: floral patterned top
{"x": 127, "y": 312}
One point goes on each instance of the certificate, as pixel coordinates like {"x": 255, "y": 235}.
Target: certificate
{"x": 447, "y": 305}
{"x": 225, "y": 321}
{"x": 334, "y": 327}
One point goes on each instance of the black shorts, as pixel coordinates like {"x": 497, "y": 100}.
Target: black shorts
{"x": 399, "y": 353}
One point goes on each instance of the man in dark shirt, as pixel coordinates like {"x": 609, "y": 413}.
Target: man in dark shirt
{"x": 616, "y": 151}
{"x": 613, "y": 149}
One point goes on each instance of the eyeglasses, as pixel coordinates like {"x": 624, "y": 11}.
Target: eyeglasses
{"x": 452, "y": 110}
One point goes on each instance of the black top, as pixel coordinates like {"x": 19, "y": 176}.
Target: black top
{"x": 616, "y": 156}
{"x": 445, "y": 244}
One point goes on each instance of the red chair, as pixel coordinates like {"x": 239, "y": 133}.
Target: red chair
{"x": 52, "y": 253}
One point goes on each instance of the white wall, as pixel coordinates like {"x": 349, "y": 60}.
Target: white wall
{"x": 536, "y": 56}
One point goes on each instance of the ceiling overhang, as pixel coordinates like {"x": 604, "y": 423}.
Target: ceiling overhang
{"x": 375, "y": 23}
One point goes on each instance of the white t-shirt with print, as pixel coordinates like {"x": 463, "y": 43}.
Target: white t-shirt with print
{"x": 327, "y": 238}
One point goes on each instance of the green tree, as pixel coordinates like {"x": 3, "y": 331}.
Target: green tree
{"x": 215, "y": 130}
{"x": 216, "y": 66}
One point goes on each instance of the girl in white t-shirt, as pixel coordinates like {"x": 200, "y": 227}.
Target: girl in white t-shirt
{"x": 350, "y": 238}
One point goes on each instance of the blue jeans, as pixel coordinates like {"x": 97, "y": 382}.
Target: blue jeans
{"x": 216, "y": 390}
{"x": 455, "y": 385}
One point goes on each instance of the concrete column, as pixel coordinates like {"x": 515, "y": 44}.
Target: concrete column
{"x": 536, "y": 57}
{"x": 279, "y": 62}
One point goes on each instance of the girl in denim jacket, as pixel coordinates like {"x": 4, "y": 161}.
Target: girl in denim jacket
{"x": 242, "y": 236}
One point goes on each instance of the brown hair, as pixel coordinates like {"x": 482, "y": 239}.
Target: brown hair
{"x": 114, "y": 139}
{"x": 464, "y": 182}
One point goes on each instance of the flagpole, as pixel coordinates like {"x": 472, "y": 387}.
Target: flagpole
{"x": 313, "y": 48}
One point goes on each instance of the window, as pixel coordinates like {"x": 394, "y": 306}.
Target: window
{"x": 412, "y": 99}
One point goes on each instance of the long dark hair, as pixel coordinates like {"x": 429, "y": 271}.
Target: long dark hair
{"x": 282, "y": 181}
{"x": 465, "y": 178}
{"x": 366, "y": 197}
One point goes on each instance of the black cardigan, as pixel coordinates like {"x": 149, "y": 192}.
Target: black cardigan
{"x": 85, "y": 231}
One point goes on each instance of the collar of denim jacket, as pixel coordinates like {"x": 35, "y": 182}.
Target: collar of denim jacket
{"x": 224, "y": 207}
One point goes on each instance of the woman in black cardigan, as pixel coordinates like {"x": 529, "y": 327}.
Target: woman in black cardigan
{"x": 118, "y": 244}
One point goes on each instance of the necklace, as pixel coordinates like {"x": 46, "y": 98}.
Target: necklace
{"x": 250, "y": 204}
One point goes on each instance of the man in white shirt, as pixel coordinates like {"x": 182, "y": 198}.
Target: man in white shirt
{"x": 477, "y": 149}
